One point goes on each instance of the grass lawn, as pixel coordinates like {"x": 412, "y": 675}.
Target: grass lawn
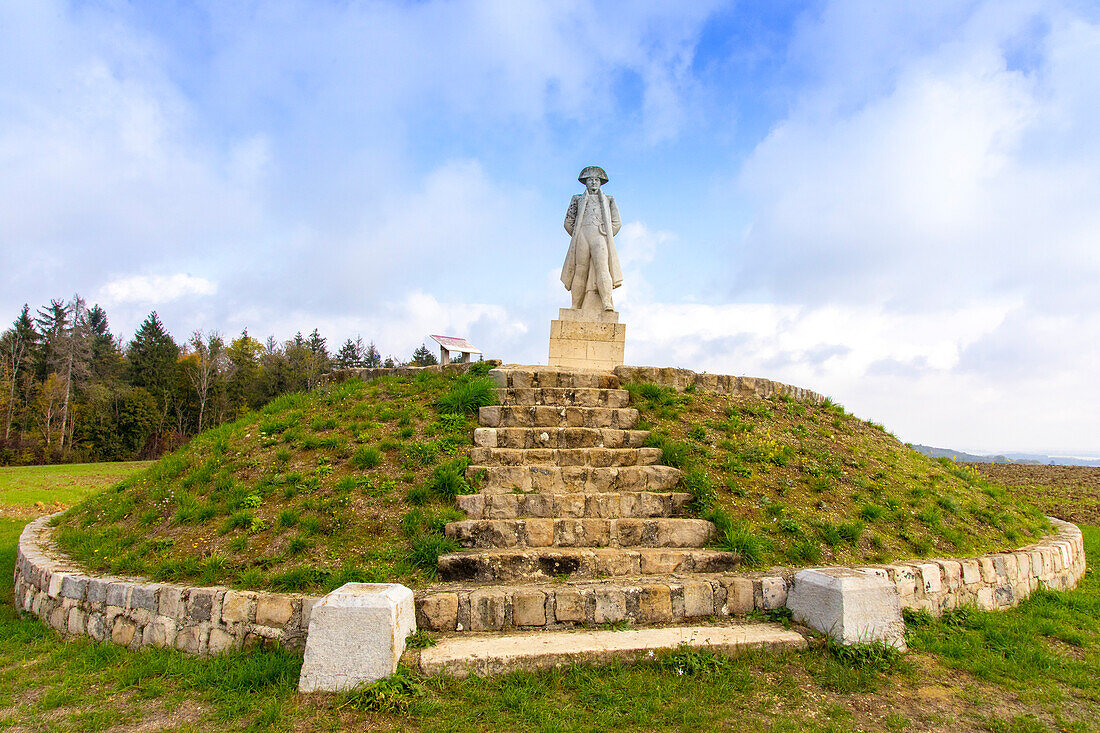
{"x": 1034, "y": 668}
{"x": 27, "y": 491}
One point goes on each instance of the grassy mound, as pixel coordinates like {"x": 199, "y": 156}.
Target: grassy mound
{"x": 350, "y": 482}
{"x": 354, "y": 482}
{"x": 794, "y": 483}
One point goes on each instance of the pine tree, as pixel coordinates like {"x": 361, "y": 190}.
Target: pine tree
{"x": 371, "y": 358}
{"x": 152, "y": 359}
{"x": 423, "y": 357}
{"x": 17, "y": 347}
{"x": 349, "y": 356}
{"x": 106, "y": 359}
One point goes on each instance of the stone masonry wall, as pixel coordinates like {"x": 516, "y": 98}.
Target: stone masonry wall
{"x": 136, "y": 612}
{"x": 368, "y": 374}
{"x": 681, "y": 379}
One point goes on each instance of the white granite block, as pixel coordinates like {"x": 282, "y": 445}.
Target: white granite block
{"x": 851, "y": 606}
{"x": 356, "y": 634}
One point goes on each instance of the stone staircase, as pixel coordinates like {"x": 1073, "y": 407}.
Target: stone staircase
{"x": 570, "y": 491}
{"x": 577, "y": 524}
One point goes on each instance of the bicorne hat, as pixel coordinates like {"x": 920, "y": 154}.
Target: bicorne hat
{"x": 593, "y": 171}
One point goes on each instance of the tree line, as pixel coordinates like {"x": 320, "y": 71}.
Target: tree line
{"x": 70, "y": 390}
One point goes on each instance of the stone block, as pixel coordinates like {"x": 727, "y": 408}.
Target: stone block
{"x": 76, "y": 622}
{"x": 698, "y": 598}
{"x": 356, "y": 634}
{"x": 192, "y": 639}
{"x": 931, "y": 581}
{"x": 529, "y": 608}
{"x": 655, "y": 604}
{"x": 438, "y": 612}
{"x": 118, "y": 594}
{"x": 487, "y": 610}
{"x": 144, "y": 597}
{"x": 160, "y": 632}
{"x": 238, "y": 607}
{"x": 739, "y": 596}
{"x": 850, "y": 606}
{"x": 73, "y": 587}
{"x": 122, "y": 631}
{"x": 274, "y": 610}
{"x": 610, "y": 605}
{"x": 971, "y": 572}
{"x": 221, "y": 641}
{"x": 570, "y": 606}
{"x": 96, "y": 593}
{"x": 773, "y": 593}
{"x": 170, "y": 601}
{"x": 200, "y": 602}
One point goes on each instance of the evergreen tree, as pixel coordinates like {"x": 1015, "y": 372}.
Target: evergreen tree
{"x": 152, "y": 359}
{"x": 371, "y": 358}
{"x": 423, "y": 357}
{"x": 106, "y": 360}
{"x": 349, "y": 356}
{"x": 245, "y": 374}
{"x": 17, "y": 349}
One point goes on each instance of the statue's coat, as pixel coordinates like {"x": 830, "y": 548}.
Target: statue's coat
{"x": 610, "y": 213}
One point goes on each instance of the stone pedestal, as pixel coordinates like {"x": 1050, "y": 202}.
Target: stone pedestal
{"x": 851, "y": 606}
{"x": 356, "y": 634}
{"x": 582, "y": 339}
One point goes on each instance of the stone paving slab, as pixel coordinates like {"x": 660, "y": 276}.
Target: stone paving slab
{"x": 484, "y": 655}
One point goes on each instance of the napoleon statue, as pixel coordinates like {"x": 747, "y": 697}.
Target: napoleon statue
{"x": 591, "y": 267}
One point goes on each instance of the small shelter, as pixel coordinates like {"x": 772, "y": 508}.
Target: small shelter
{"x": 447, "y": 344}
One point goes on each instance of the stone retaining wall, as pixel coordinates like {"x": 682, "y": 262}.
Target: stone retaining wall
{"x": 135, "y": 612}
{"x": 368, "y": 374}
{"x": 989, "y": 582}
{"x": 681, "y": 379}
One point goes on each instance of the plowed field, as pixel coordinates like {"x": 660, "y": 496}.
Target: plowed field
{"x": 1071, "y": 493}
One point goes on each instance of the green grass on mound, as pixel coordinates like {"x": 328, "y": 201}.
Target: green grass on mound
{"x": 354, "y": 482}
{"x": 350, "y": 482}
{"x": 794, "y": 483}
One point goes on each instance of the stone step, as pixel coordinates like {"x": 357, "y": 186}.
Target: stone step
{"x": 592, "y": 532}
{"x": 575, "y": 479}
{"x": 491, "y": 654}
{"x": 561, "y": 396}
{"x": 607, "y": 506}
{"x": 553, "y": 416}
{"x": 510, "y": 565}
{"x": 522, "y": 377}
{"x": 651, "y": 599}
{"x": 559, "y": 438}
{"x": 597, "y": 457}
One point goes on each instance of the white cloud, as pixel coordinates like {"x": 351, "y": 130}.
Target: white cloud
{"x": 155, "y": 289}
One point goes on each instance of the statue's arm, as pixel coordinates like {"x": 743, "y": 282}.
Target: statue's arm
{"x": 571, "y": 216}
{"x": 616, "y": 222}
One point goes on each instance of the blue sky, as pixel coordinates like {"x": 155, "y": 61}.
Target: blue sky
{"x": 891, "y": 203}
